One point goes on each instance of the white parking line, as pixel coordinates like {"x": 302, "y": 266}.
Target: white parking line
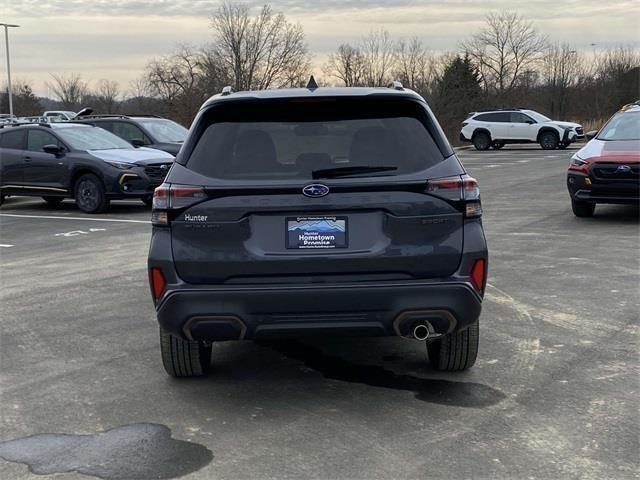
{"x": 121, "y": 220}
{"x": 5, "y": 246}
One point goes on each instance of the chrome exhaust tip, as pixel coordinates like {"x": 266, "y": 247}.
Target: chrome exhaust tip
{"x": 421, "y": 332}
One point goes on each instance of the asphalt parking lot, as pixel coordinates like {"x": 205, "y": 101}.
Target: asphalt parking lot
{"x": 553, "y": 395}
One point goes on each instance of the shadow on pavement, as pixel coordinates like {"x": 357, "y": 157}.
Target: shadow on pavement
{"x": 614, "y": 214}
{"x": 444, "y": 392}
{"x": 35, "y": 205}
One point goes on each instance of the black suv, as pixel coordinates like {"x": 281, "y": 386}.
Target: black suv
{"x": 142, "y": 131}
{"x": 317, "y": 211}
{"x": 60, "y": 160}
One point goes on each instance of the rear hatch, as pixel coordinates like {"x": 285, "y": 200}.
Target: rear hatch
{"x": 330, "y": 190}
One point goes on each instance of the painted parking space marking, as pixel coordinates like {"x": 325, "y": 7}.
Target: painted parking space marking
{"x": 75, "y": 233}
{"x": 120, "y": 220}
{"x": 5, "y": 246}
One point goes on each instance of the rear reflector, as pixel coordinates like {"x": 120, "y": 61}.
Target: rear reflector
{"x": 477, "y": 275}
{"x": 158, "y": 283}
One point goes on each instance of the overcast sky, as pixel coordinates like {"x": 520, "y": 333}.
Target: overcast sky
{"x": 114, "y": 39}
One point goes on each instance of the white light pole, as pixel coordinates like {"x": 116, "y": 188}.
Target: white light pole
{"x": 6, "y": 39}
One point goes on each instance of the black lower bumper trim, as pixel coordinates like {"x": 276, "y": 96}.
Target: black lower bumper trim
{"x": 225, "y": 313}
{"x": 590, "y": 196}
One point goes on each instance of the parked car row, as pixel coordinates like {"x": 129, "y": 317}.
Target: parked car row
{"x": 93, "y": 159}
{"x": 605, "y": 170}
{"x": 46, "y": 117}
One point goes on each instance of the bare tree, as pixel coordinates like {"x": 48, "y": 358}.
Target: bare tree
{"x": 258, "y": 52}
{"x": 71, "y": 90}
{"x": 183, "y": 80}
{"x": 414, "y": 66}
{"x": 560, "y": 70}
{"x": 504, "y": 50}
{"x": 378, "y": 51}
{"x": 106, "y": 97}
{"x": 213, "y": 71}
{"x": 174, "y": 75}
{"x": 616, "y": 62}
{"x": 139, "y": 87}
{"x": 347, "y": 65}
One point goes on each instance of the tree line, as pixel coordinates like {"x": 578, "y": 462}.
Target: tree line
{"x": 507, "y": 63}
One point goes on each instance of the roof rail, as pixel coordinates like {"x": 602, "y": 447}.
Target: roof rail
{"x": 228, "y": 90}
{"x": 492, "y": 109}
{"x": 396, "y": 85}
{"x": 116, "y": 115}
{"x": 630, "y": 105}
{"x": 22, "y": 124}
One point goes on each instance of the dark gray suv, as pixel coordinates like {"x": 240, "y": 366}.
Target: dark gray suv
{"x": 317, "y": 211}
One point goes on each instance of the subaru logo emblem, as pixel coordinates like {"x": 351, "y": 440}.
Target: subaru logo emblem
{"x": 623, "y": 169}
{"x": 315, "y": 190}
{"x": 164, "y": 167}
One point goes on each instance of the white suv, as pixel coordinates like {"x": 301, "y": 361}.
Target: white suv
{"x": 498, "y": 127}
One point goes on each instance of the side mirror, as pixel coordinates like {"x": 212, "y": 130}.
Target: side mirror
{"x": 137, "y": 142}
{"x": 53, "y": 149}
{"x": 530, "y": 122}
{"x": 591, "y": 135}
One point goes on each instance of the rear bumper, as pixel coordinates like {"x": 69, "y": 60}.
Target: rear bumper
{"x": 363, "y": 309}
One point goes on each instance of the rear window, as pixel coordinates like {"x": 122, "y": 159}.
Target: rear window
{"x": 294, "y": 138}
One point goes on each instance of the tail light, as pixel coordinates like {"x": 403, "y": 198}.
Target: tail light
{"x": 462, "y": 190}
{"x": 167, "y": 198}
{"x": 478, "y": 275}
{"x": 157, "y": 283}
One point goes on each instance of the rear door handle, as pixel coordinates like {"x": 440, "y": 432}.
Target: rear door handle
{"x": 27, "y": 159}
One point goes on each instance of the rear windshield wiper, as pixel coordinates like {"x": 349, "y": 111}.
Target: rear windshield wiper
{"x": 347, "y": 171}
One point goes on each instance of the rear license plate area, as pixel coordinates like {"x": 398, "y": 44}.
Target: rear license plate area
{"x": 324, "y": 232}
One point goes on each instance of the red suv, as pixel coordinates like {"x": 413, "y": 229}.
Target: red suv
{"x": 607, "y": 169}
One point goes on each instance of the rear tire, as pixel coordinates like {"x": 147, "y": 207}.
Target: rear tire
{"x": 549, "y": 141}
{"x": 147, "y": 200}
{"x": 184, "y": 358}
{"x": 582, "y": 209}
{"x": 481, "y": 141}
{"x": 90, "y": 194}
{"x": 1, "y": 199}
{"x": 53, "y": 201}
{"x": 455, "y": 351}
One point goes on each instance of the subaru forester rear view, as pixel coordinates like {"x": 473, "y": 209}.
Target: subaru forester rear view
{"x": 317, "y": 212}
